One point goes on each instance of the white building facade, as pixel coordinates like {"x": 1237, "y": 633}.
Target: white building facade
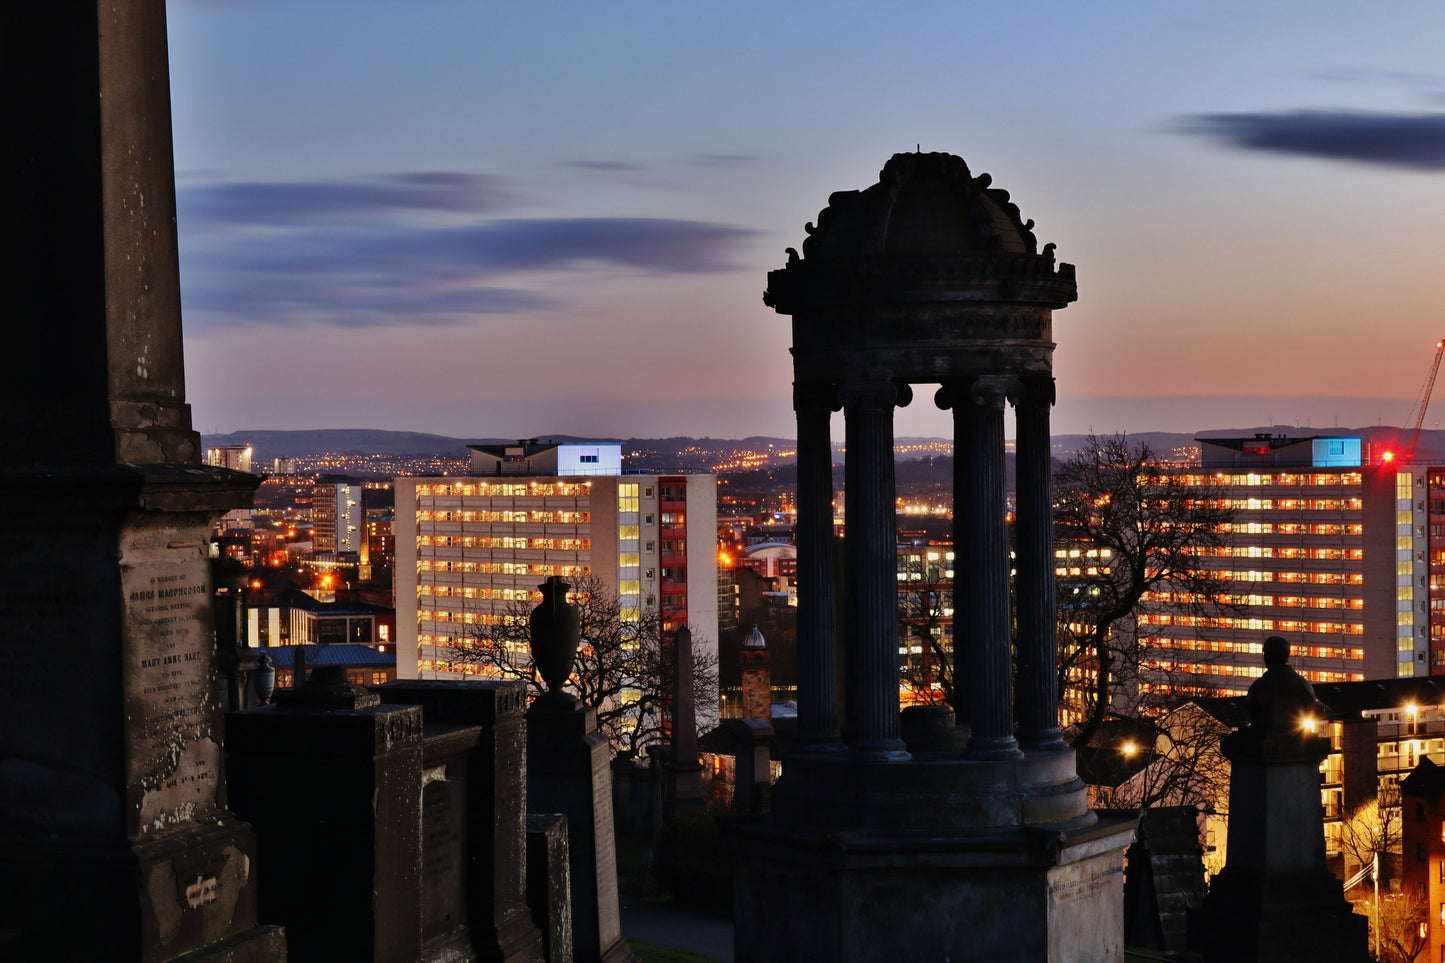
{"x": 468, "y": 549}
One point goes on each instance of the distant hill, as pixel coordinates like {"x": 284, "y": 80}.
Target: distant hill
{"x": 268, "y": 444}
{"x": 691, "y": 454}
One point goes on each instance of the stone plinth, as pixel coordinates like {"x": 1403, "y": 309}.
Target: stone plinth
{"x": 934, "y": 792}
{"x": 1029, "y": 895}
{"x": 111, "y": 786}
{"x": 953, "y": 858}
{"x": 568, "y": 772}
{"x": 474, "y": 805}
{"x": 334, "y": 795}
{"x": 1275, "y": 900}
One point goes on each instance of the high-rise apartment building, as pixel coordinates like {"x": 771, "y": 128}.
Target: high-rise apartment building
{"x": 1329, "y": 548}
{"x": 469, "y": 548}
{"x": 338, "y": 518}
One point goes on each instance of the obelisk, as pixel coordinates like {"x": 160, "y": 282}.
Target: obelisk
{"x": 115, "y": 840}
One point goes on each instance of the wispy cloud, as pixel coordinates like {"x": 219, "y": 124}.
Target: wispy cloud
{"x": 375, "y": 251}
{"x": 1373, "y": 75}
{"x": 605, "y": 166}
{"x": 298, "y": 202}
{"x": 723, "y": 160}
{"x": 1404, "y": 141}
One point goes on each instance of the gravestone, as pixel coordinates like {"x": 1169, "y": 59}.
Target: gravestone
{"x": 751, "y": 745}
{"x": 474, "y": 805}
{"x": 681, "y": 772}
{"x": 1163, "y": 878}
{"x": 112, "y": 795}
{"x": 331, "y": 780}
{"x": 549, "y": 884}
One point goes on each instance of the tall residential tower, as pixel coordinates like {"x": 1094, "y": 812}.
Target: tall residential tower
{"x": 469, "y": 548}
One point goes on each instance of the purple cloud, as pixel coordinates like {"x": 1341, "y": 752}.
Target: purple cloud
{"x": 370, "y": 253}
{"x": 1406, "y": 141}
{"x": 297, "y": 202}
{"x": 605, "y": 166}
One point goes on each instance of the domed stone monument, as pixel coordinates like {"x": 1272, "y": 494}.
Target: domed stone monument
{"x": 930, "y": 276}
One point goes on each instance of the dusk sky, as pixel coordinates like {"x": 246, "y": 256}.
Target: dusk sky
{"x": 496, "y": 219}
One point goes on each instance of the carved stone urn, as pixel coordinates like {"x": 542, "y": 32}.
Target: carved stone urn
{"x": 555, "y": 632}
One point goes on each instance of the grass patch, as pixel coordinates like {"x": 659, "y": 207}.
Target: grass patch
{"x": 648, "y": 953}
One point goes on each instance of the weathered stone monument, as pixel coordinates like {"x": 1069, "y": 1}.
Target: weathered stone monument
{"x": 476, "y": 870}
{"x": 568, "y": 772}
{"x": 332, "y": 780}
{"x": 1275, "y": 900}
{"x": 115, "y": 840}
{"x": 929, "y": 276}
{"x": 681, "y": 773}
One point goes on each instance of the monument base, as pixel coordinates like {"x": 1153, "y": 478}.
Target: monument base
{"x": 931, "y": 793}
{"x": 1040, "y": 893}
{"x": 1303, "y": 916}
{"x": 190, "y": 895}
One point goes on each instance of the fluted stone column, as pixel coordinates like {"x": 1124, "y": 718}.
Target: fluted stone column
{"x": 981, "y": 563}
{"x": 814, "y": 403}
{"x": 1037, "y": 684}
{"x": 871, "y": 555}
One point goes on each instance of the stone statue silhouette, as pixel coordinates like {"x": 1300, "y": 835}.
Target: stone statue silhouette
{"x": 1281, "y": 698}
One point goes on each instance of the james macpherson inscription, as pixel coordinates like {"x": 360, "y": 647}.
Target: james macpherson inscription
{"x": 175, "y": 760}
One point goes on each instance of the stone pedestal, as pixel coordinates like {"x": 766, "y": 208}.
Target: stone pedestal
{"x": 950, "y": 857}
{"x": 1026, "y": 895}
{"x": 330, "y": 781}
{"x": 1275, "y": 900}
{"x": 112, "y": 796}
{"x": 474, "y": 805}
{"x": 568, "y": 772}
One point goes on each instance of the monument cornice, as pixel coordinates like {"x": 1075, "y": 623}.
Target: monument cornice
{"x": 127, "y": 488}
{"x": 1023, "y": 279}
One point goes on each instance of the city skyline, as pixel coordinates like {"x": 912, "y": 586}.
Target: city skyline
{"x": 509, "y": 221}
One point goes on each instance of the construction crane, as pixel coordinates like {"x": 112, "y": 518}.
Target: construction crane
{"x": 1423, "y": 402}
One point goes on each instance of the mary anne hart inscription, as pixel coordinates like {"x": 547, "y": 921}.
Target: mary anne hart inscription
{"x": 174, "y": 758}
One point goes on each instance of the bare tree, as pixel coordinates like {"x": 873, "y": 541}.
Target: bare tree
{"x": 1187, "y": 769}
{"x": 1402, "y": 918}
{"x": 1371, "y": 830}
{"x": 1147, "y": 528}
{"x": 623, "y": 667}
{"x": 923, "y": 613}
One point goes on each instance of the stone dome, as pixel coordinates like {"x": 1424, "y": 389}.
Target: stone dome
{"x": 924, "y": 205}
{"x": 754, "y": 639}
{"x": 928, "y": 233}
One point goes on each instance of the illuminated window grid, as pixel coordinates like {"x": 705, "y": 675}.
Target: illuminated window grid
{"x": 1300, "y": 532}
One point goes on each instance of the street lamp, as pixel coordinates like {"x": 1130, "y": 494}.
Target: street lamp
{"x": 1375, "y": 875}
